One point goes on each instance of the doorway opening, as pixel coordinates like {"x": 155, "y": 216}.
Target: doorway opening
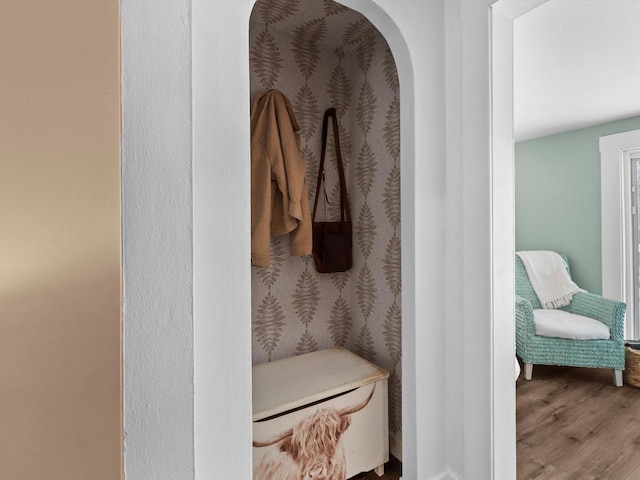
{"x": 586, "y": 168}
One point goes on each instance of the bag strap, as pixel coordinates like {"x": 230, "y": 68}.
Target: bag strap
{"x": 344, "y": 197}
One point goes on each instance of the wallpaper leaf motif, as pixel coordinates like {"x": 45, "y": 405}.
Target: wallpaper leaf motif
{"x": 393, "y": 265}
{"x": 392, "y": 129}
{"x": 307, "y": 344}
{"x": 366, "y": 168}
{"x": 366, "y": 292}
{"x": 266, "y": 60}
{"x": 340, "y": 322}
{"x": 267, "y": 326}
{"x": 339, "y": 89}
{"x": 333, "y": 8}
{"x": 391, "y": 197}
{"x": 305, "y": 45}
{"x": 331, "y": 162}
{"x": 307, "y": 260}
{"x": 306, "y": 297}
{"x": 390, "y": 71}
{"x": 340, "y": 279}
{"x": 392, "y": 333}
{"x": 311, "y": 161}
{"x": 365, "y": 347}
{"x": 395, "y": 402}
{"x": 274, "y": 11}
{"x": 366, "y": 108}
{"x": 366, "y": 230}
{"x": 345, "y": 150}
{"x": 345, "y": 145}
{"x": 307, "y": 112}
{"x": 364, "y": 54}
{"x": 270, "y": 275}
{"x": 333, "y": 208}
{"x": 358, "y": 31}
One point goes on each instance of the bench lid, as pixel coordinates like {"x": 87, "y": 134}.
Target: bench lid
{"x": 293, "y": 382}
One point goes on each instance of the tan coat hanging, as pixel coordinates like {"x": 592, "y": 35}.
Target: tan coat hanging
{"x": 279, "y": 200}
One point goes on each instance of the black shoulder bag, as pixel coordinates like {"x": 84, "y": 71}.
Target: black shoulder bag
{"x": 332, "y": 241}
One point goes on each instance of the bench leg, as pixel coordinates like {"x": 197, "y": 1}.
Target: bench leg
{"x": 528, "y": 371}
{"x": 379, "y": 470}
{"x": 617, "y": 378}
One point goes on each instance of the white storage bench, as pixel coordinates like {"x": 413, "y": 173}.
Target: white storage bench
{"x": 319, "y": 415}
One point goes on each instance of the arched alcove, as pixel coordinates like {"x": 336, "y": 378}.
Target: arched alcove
{"x": 202, "y": 356}
{"x": 325, "y": 55}
{"x": 204, "y": 275}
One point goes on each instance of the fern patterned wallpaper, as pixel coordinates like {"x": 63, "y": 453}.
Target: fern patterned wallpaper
{"x": 321, "y": 54}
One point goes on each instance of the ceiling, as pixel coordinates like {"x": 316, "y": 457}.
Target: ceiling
{"x": 576, "y": 64}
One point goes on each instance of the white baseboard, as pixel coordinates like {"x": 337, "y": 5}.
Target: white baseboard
{"x": 441, "y": 476}
{"x": 445, "y": 476}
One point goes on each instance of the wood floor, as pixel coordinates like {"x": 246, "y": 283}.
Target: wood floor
{"x": 573, "y": 423}
{"x": 392, "y": 471}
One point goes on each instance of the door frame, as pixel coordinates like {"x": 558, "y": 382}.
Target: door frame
{"x": 617, "y": 277}
{"x": 502, "y": 188}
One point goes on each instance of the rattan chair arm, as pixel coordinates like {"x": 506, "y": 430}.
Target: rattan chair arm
{"x": 524, "y": 317}
{"x": 610, "y": 312}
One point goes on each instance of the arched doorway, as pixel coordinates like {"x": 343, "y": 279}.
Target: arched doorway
{"x": 208, "y": 277}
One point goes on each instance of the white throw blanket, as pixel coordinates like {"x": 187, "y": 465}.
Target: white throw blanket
{"x": 549, "y": 278}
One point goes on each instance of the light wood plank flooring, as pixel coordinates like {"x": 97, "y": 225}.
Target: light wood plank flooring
{"x": 573, "y": 423}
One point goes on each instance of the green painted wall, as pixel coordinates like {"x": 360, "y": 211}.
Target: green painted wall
{"x": 558, "y": 197}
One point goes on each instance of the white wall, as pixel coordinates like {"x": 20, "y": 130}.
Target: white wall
{"x": 468, "y": 307}
{"x": 157, "y": 236}
{"x": 446, "y": 231}
{"x": 222, "y": 219}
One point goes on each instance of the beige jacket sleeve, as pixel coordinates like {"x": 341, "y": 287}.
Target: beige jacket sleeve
{"x": 279, "y": 200}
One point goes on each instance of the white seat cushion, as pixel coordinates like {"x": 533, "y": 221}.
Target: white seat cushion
{"x": 561, "y": 324}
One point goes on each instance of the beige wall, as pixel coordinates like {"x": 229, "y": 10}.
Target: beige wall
{"x": 60, "y": 387}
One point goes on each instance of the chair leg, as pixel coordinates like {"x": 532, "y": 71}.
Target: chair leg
{"x": 528, "y": 371}
{"x": 617, "y": 378}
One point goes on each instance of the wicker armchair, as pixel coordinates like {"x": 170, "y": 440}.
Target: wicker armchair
{"x": 532, "y": 348}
